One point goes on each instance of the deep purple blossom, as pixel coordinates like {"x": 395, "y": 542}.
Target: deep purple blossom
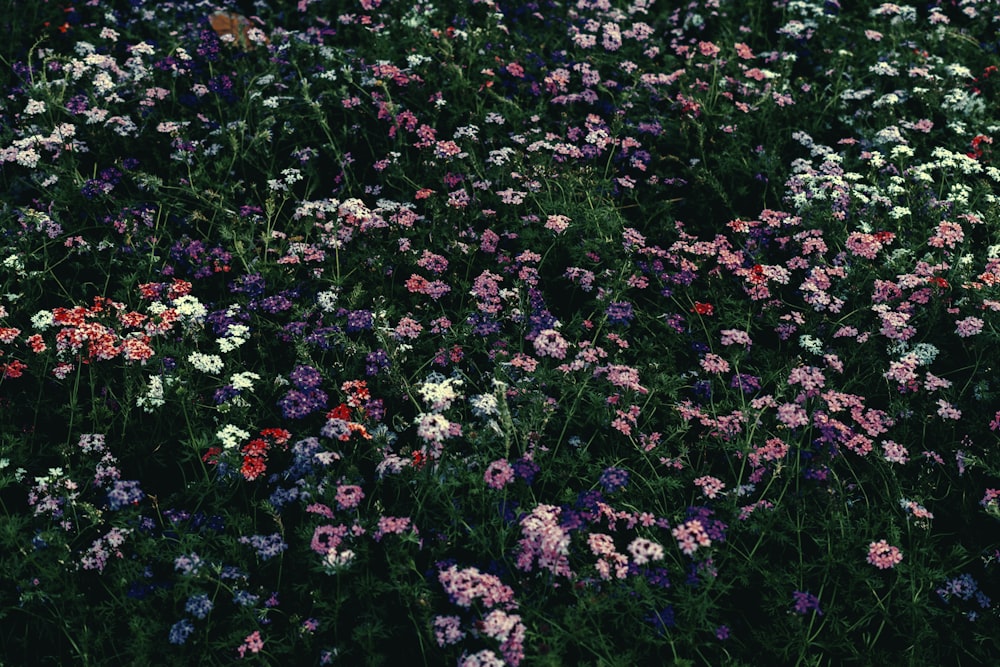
{"x": 805, "y": 602}
{"x": 305, "y": 377}
{"x": 359, "y": 320}
{"x": 613, "y": 479}
{"x": 296, "y": 404}
{"x": 619, "y": 312}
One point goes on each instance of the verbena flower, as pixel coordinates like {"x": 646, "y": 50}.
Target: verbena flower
{"x": 884, "y": 556}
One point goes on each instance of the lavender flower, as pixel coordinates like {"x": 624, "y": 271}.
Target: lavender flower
{"x": 198, "y": 605}
{"x": 124, "y": 492}
{"x": 180, "y": 631}
{"x": 267, "y": 546}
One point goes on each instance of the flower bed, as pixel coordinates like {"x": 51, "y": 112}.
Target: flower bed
{"x": 550, "y": 333}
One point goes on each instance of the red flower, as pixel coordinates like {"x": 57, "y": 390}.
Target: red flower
{"x": 419, "y": 459}
{"x": 280, "y": 435}
{"x": 340, "y": 412}
{"x": 702, "y": 308}
{"x": 253, "y": 467}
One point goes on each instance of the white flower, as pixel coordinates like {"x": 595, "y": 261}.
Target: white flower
{"x": 925, "y": 353}
{"x": 439, "y": 394}
{"x": 484, "y": 405}
{"x": 206, "y": 363}
{"x": 644, "y": 550}
{"x": 237, "y": 336}
{"x": 34, "y": 107}
{"x": 432, "y": 427}
{"x": 42, "y": 320}
{"x": 244, "y": 380}
{"x": 811, "y": 343}
{"x": 190, "y": 308}
{"x": 336, "y": 560}
{"x": 144, "y": 49}
{"x": 231, "y": 436}
{"x": 153, "y": 397}
{"x": 327, "y": 301}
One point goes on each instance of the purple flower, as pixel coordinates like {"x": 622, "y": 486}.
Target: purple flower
{"x": 748, "y": 384}
{"x": 298, "y": 404}
{"x": 359, "y": 320}
{"x": 244, "y": 598}
{"x": 224, "y": 393}
{"x": 267, "y": 546}
{"x": 619, "y": 312}
{"x": 613, "y": 479}
{"x": 662, "y": 620}
{"x": 180, "y": 631}
{"x": 526, "y": 469}
{"x": 805, "y": 602}
{"x": 305, "y": 377}
{"x": 124, "y": 492}
{"x": 376, "y": 361}
{"x": 335, "y": 429}
{"x": 275, "y": 304}
{"x": 251, "y": 284}
{"x": 198, "y": 605}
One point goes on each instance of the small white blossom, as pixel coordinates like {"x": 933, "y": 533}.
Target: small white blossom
{"x": 231, "y": 436}
{"x": 190, "y": 308}
{"x": 153, "y": 398}
{"x": 42, "y": 320}
{"x": 811, "y": 344}
{"x": 206, "y": 363}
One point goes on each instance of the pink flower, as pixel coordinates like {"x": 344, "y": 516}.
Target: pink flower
{"x": 499, "y": 474}
{"x": 690, "y": 536}
{"x": 743, "y": 51}
{"x": 810, "y": 377}
{"x": 466, "y": 586}
{"x": 948, "y": 234}
{"x": 253, "y": 643}
{"x": 708, "y": 49}
{"x": 326, "y": 538}
{"x": 348, "y": 496}
{"x": 710, "y": 486}
{"x": 545, "y": 540}
{"x": 883, "y": 555}
{"x": 792, "y": 415}
{"x": 448, "y": 630}
{"x": 947, "y": 411}
{"x": 550, "y": 343}
{"x": 736, "y": 337}
{"x": 392, "y": 525}
{"x": 603, "y": 546}
{"x": 713, "y": 363}
{"x": 557, "y": 223}
{"x": 895, "y": 452}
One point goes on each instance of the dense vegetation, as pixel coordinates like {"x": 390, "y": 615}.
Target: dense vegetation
{"x": 484, "y": 333}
